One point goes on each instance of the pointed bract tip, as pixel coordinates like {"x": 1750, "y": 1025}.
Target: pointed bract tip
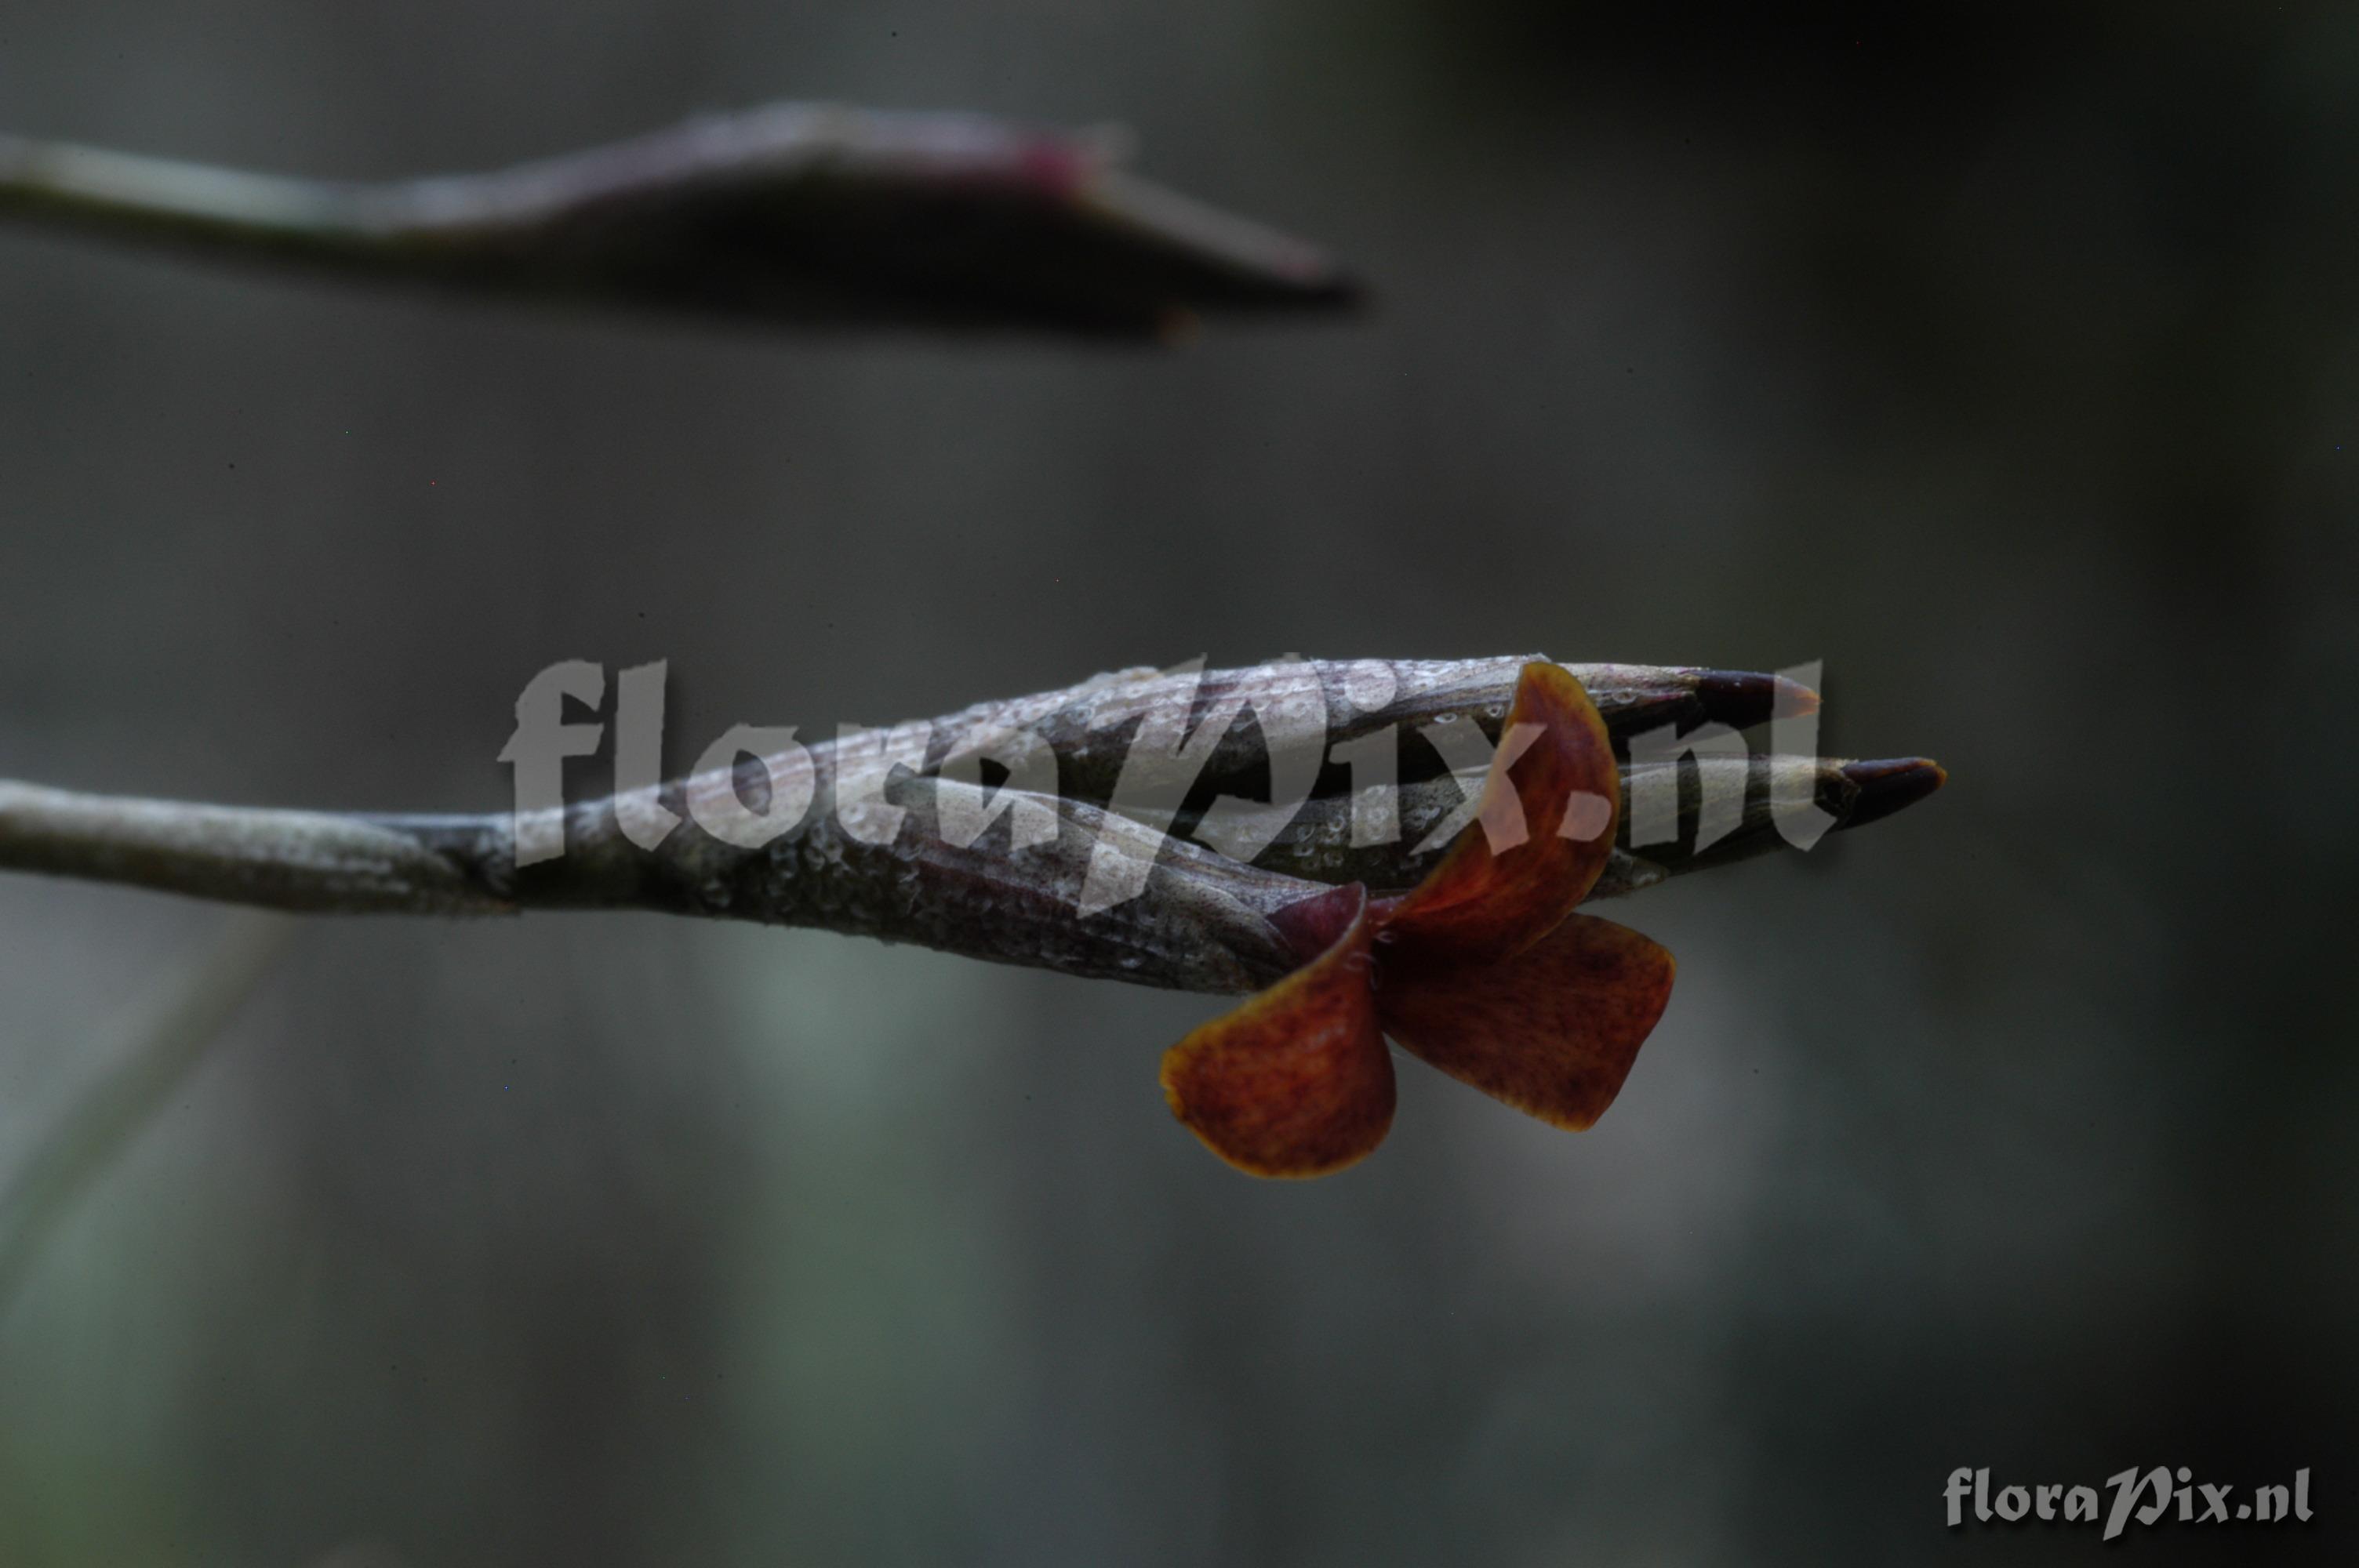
{"x": 1741, "y": 698}
{"x": 1794, "y": 700}
{"x": 1890, "y": 785}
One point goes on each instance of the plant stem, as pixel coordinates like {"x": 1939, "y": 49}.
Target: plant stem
{"x": 169, "y": 1039}
{"x": 893, "y": 853}
{"x": 795, "y": 214}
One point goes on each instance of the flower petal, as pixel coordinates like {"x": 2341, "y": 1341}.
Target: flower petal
{"x": 1297, "y": 1080}
{"x": 1552, "y": 1031}
{"x": 1562, "y": 794}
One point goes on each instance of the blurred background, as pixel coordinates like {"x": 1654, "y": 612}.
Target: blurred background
{"x": 2001, "y": 357}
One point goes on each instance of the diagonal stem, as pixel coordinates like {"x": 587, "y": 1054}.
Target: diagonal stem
{"x": 167, "y": 1041}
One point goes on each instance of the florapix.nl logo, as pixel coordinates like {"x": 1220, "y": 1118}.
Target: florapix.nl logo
{"x": 2142, "y": 1497}
{"x": 755, "y": 785}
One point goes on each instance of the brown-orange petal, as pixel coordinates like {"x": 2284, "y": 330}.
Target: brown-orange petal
{"x": 1552, "y": 1031}
{"x": 1295, "y": 1081}
{"x": 1483, "y": 903}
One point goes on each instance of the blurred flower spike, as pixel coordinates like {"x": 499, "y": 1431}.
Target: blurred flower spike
{"x": 1482, "y": 971}
{"x": 1341, "y": 926}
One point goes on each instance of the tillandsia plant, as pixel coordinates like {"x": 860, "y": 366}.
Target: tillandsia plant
{"x": 799, "y": 215}
{"x": 1366, "y": 849}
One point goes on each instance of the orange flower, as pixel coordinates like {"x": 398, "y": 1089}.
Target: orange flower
{"x": 1482, "y": 971}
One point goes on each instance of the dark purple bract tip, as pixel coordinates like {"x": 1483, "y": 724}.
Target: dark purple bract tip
{"x": 1890, "y": 785}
